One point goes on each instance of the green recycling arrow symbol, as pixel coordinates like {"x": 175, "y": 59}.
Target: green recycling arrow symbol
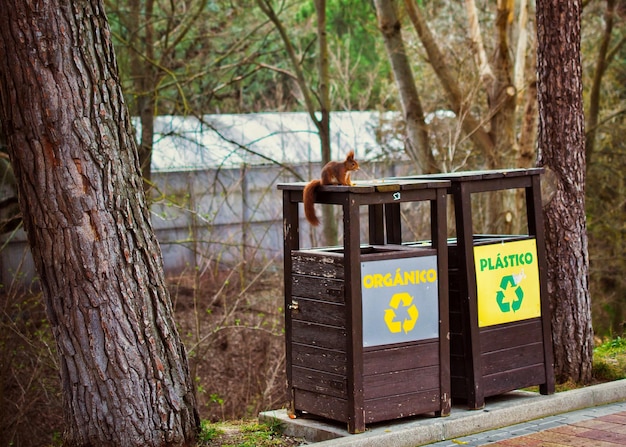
{"x": 507, "y": 305}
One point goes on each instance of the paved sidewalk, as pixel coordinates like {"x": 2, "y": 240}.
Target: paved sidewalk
{"x": 603, "y": 426}
{"x": 587, "y": 415}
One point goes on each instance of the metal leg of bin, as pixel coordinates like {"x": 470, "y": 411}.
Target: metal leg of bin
{"x": 535, "y": 226}
{"x": 464, "y": 225}
{"x": 438, "y": 231}
{"x": 354, "y": 311}
{"x": 291, "y": 242}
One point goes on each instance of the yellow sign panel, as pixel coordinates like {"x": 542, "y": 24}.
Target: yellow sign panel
{"x": 507, "y": 281}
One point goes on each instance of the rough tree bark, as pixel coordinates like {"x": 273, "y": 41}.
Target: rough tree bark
{"x": 124, "y": 371}
{"x": 562, "y": 151}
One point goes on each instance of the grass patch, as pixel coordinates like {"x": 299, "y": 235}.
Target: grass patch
{"x": 243, "y": 434}
{"x": 609, "y": 363}
{"x": 609, "y": 360}
{"x": 209, "y": 432}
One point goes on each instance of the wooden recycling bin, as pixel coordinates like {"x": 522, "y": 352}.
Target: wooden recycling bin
{"x": 499, "y": 312}
{"x": 367, "y": 325}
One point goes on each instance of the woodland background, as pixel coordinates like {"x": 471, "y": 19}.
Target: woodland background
{"x": 199, "y": 57}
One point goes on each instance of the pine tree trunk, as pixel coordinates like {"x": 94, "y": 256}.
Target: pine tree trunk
{"x": 124, "y": 371}
{"x": 562, "y": 152}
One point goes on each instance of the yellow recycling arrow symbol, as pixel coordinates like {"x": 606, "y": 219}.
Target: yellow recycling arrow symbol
{"x": 409, "y": 323}
{"x": 394, "y": 326}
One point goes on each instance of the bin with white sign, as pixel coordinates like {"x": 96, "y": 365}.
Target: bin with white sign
{"x": 499, "y": 312}
{"x": 366, "y": 324}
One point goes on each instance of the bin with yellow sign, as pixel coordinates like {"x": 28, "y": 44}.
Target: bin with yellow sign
{"x": 366, "y": 324}
{"x": 499, "y": 314}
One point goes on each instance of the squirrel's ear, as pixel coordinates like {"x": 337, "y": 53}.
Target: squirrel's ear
{"x": 350, "y": 155}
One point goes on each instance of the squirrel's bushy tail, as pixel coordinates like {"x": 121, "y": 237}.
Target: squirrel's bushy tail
{"x": 308, "y": 197}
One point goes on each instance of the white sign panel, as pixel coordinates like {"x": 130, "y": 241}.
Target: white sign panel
{"x": 400, "y": 300}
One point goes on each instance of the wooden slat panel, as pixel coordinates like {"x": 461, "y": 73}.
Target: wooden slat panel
{"x": 319, "y": 382}
{"x": 318, "y": 288}
{"x": 454, "y": 292}
{"x": 322, "y": 312}
{"x": 377, "y": 361}
{"x": 512, "y": 359}
{"x": 321, "y": 359}
{"x": 458, "y": 386}
{"x": 453, "y": 263}
{"x": 456, "y": 324}
{"x": 401, "y": 406}
{"x": 457, "y": 346}
{"x": 326, "y": 265}
{"x": 457, "y": 365}
{"x": 322, "y": 405}
{"x": 490, "y": 184}
{"x": 319, "y": 335}
{"x": 453, "y": 255}
{"x": 494, "y": 338}
{"x": 514, "y": 379}
{"x": 401, "y": 382}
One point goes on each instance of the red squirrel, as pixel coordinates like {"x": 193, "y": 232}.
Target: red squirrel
{"x": 333, "y": 173}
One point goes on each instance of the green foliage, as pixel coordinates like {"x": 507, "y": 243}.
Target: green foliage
{"x": 609, "y": 361}
{"x": 606, "y": 229}
{"x": 194, "y": 58}
{"x": 613, "y": 348}
{"x": 244, "y": 434}
{"x": 215, "y": 398}
{"x": 209, "y": 432}
{"x": 605, "y": 183}
{"x": 232, "y": 61}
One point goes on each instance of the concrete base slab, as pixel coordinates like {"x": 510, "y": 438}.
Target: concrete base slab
{"x": 500, "y": 411}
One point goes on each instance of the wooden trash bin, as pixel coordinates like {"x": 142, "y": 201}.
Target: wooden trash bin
{"x": 499, "y": 312}
{"x": 367, "y": 325}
